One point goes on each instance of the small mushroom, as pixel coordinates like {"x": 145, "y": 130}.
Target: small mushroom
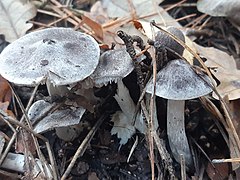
{"x": 178, "y": 82}
{"x": 113, "y": 65}
{"x": 163, "y": 39}
{"x": 64, "y": 120}
{"x": 60, "y": 56}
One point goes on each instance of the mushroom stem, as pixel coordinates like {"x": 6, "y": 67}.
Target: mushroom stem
{"x": 176, "y": 131}
{"x": 56, "y": 90}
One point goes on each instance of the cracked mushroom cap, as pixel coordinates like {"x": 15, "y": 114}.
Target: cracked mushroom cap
{"x": 178, "y": 81}
{"x": 113, "y": 65}
{"x": 61, "y": 55}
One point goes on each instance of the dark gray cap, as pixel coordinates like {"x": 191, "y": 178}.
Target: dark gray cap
{"x": 113, "y": 65}
{"x": 166, "y": 40}
{"x": 178, "y": 81}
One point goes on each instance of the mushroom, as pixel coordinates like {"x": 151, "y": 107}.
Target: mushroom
{"x": 60, "y": 56}
{"x": 65, "y": 120}
{"x": 166, "y": 47}
{"x": 57, "y": 56}
{"x": 167, "y": 41}
{"x": 113, "y": 65}
{"x": 178, "y": 82}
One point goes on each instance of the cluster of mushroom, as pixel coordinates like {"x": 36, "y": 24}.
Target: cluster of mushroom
{"x": 61, "y": 57}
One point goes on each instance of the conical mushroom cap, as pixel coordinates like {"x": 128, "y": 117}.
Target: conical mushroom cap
{"x": 178, "y": 81}
{"x": 165, "y": 40}
{"x": 113, "y": 65}
{"x": 61, "y": 55}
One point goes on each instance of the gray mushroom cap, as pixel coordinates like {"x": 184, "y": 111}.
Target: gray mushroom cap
{"x": 169, "y": 42}
{"x": 113, "y": 65}
{"x": 61, "y": 55}
{"x": 178, "y": 81}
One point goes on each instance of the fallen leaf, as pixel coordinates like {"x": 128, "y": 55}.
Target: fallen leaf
{"x": 122, "y": 127}
{"x": 96, "y": 27}
{"x": 5, "y": 97}
{"x": 186, "y": 54}
{"x": 119, "y": 15}
{"x": 24, "y": 142}
{"x": 14, "y": 15}
{"x": 220, "y": 171}
{"x": 4, "y": 107}
{"x": 234, "y": 107}
{"x": 123, "y": 120}
{"x": 222, "y": 8}
{"x": 5, "y": 91}
{"x": 224, "y": 68}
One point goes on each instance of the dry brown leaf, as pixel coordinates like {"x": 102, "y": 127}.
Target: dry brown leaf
{"x": 142, "y": 11}
{"x": 95, "y": 18}
{"x": 25, "y": 142}
{"x": 4, "y": 106}
{"x": 223, "y": 67}
{"x": 234, "y": 107}
{"x": 5, "y": 97}
{"x": 221, "y": 171}
{"x": 5, "y": 91}
{"x": 104, "y": 28}
{"x": 186, "y": 54}
{"x": 96, "y": 27}
{"x": 224, "y": 8}
{"x": 120, "y": 15}
{"x": 13, "y": 17}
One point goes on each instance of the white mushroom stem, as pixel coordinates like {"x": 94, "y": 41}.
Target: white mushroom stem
{"x": 56, "y": 90}
{"x": 176, "y": 131}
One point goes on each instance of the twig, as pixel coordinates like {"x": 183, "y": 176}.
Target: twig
{"x": 8, "y": 119}
{"x": 152, "y": 109}
{"x": 164, "y": 155}
{"x": 232, "y": 160}
{"x": 132, "y": 149}
{"x": 15, "y": 131}
{"x": 4, "y": 154}
{"x": 81, "y": 149}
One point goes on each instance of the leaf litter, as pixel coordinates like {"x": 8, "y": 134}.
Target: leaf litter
{"x": 14, "y": 25}
{"x": 102, "y": 22}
